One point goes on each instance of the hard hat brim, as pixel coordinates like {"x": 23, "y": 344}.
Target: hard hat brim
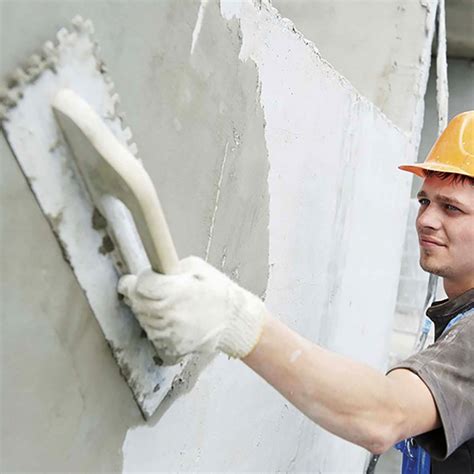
{"x": 420, "y": 168}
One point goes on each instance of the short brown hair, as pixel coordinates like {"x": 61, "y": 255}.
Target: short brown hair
{"x": 454, "y": 177}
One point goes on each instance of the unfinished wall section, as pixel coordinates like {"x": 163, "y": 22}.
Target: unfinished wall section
{"x": 382, "y": 48}
{"x": 269, "y": 163}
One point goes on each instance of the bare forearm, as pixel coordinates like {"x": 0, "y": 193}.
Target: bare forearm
{"x": 345, "y": 397}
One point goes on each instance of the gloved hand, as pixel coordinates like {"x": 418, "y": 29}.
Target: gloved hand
{"x": 198, "y": 309}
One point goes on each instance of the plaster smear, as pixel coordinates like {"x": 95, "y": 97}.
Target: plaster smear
{"x": 334, "y": 193}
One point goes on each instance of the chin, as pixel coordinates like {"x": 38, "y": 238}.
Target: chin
{"x": 429, "y": 265}
{"x": 434, "y": 268}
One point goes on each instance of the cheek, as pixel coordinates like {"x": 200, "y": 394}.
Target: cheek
{"x": 462, "y": 239}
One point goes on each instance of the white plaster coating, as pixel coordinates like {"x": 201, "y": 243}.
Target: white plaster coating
{"x": 198, "y": 25}
{"x": 230, "y": 8}
{"x": 35, "y": 137}
{"x": 333, "y": 160}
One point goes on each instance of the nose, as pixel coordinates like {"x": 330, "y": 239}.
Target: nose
{"x": 429, "y": 218}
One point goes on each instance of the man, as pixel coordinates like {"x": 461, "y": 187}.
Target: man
{"x": 430, "y": 396}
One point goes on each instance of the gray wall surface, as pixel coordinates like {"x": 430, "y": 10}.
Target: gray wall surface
{"x": 241, "y": 122}
{"x": 461, "y": 98}
{"x": 382, "y": 47}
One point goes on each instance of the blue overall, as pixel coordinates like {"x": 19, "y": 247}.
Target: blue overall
{"x": 415, "y": 459}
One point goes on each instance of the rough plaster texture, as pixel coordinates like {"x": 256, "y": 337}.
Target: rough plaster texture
{"x": 265, "y": 159}
{"x": 382, "y": 47}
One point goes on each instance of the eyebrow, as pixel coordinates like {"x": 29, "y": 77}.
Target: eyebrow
{"x": 442, "y": 198}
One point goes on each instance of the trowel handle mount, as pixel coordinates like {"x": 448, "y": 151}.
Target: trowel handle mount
{"x": 108, "y": 168}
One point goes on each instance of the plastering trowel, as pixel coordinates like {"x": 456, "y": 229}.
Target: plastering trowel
{"x": 59, "y": 117}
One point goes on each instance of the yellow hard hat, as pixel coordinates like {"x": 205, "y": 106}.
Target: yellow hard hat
{"x": 453, "y": 152}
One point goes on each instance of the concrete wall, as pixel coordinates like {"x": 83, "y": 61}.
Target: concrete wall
{"x": 382, "y": 47}
{"x": 310, "y": 213}
{"x": 461, "y": 98}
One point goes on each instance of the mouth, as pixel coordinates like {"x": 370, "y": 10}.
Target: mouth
{"x": 430, "y": 243}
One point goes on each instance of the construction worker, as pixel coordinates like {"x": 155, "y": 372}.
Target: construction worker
{"x": 429, "y": 396}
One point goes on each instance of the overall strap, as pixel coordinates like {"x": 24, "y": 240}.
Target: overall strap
{"x": 415, "y": 459}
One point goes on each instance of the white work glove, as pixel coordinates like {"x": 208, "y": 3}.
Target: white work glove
{"x": 197, "y": 309}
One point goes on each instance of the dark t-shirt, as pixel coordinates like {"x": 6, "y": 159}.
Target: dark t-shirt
{"x": 447, "y": 368}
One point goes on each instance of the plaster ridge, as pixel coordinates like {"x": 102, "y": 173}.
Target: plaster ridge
{"x": 216, "y": 201}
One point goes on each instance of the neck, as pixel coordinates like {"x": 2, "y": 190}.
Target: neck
{"x": 454, "y": 288}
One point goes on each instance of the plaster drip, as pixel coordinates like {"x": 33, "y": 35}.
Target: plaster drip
{"x": 198, "y": 25}
{"x": 230, "y": 9}
{"x": 216, "y": 204}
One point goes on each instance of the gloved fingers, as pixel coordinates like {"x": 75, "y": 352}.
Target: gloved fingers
{"x": 200, "y": 269}
{"x": 155, "y": 309}
{"x": 126, "y": 285}
{"x": 156, "y": 286}
{"x": 127, "y": 301}
{"x": 167, "y": 353}
{"x": 192, "y": 264}
{"x": 153, "y": 322}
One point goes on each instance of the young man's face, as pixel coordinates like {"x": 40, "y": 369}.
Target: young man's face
{"x": 445, "y": 226}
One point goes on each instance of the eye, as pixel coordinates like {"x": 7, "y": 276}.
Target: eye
{"x": 423, "y": 201}
{"x": 451, "y": 208}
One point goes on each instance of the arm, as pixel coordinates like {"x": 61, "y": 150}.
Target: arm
{"x": 199, "y": 309}
{"x": 345, "y": 397}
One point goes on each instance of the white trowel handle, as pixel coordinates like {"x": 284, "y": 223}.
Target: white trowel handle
{"x": 151, "y": 225}
{"x": 140, "y": 244}
{"x": 109, "y": 169}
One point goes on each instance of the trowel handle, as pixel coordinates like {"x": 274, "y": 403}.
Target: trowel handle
{"x": 109, "y": 169}
{"x": 152, "y": 226}
{"x": 140, "y": 231}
